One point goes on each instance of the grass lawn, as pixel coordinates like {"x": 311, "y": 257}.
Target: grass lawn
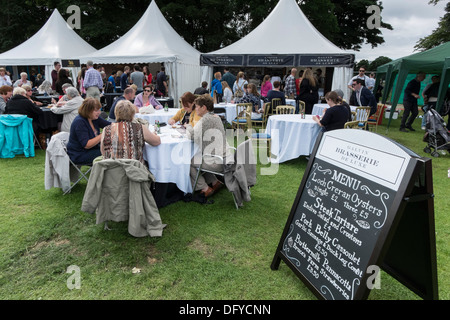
{"x": 206, "y": 251}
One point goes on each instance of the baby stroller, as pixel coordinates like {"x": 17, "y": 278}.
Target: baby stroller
{"x": 436, "y": 134}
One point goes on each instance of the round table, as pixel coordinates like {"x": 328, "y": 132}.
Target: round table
{"x": 170, "y": 162}
{"x": 291, "y": 136}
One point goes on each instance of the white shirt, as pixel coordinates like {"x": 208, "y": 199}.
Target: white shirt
{"x": 5, "y": 80}
{"x": 365, "y": 78}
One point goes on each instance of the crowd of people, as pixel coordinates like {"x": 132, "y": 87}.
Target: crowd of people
{"x": 119, "y": 136}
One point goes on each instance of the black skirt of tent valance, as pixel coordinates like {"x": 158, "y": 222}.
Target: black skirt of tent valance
{"x": 278, "y": 60}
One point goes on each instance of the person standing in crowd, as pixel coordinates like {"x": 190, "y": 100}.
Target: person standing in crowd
{"x": 93, "y": 82}
{"x": 203, "y": 89}
{"x": 5, "y": 94}
{"x": 361, "y": 75}
{"x": 148, "y": 76}
{"x": 308, "y": 91}
{"x": 266, "y": 86}
{"x": 289, "y": 88}
{"x": 124, "y": 78}
{"x": 370, "y": 83}
{"x": 54, "y": 74}
{"x": 228, "y": 77}
{"x": 216, "y": 86}
{"x": 411, "y": 94}
{"x": 430, "y": 95}
{"x": 227, "y": 93}
{"x": 238, "y": 85}
{"x": 161, "y": 82}
{"x": 5, "y": 80}
{"x": 137, "y": 78}
{"x": 112, "y": 80}
{"x": 363, "y": 97}
{"x": 63, "y": 78}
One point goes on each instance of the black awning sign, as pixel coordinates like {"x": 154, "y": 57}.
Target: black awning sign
{"x": 271, "y": 60}
{"x": 73, "y": 63}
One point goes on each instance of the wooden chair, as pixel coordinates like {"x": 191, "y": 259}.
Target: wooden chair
{"x": 372, "y": 122}
{"x": 241, "y": 117}
{"x": 285, "y": 109}
{"x": 275, "y": 103}
{"x": 359, "y": 116}
{"x": 259, "y": 136}
{"x": 264, "y": 116}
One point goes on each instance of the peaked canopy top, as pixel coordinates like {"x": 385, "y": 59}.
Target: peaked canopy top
{"x": 54, "y": 41}
{"x": 152, "y": 39}
{"x": 286, "y": 30}
{"x": 284, "y": 38}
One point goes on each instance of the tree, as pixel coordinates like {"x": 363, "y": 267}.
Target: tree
{"x": 206, "y": 24}
{"x": 378, "y": 62}
{"x": 439, "y": 35}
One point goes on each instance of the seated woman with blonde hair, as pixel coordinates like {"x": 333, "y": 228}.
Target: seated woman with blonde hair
{"x": 187, "y": 114}
{"x": 126, "y": 139}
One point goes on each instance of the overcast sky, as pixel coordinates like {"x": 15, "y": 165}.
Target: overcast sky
{"x": 410, "y": 20}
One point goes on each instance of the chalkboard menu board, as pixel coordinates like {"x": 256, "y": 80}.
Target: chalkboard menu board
{"x": 345, "y": 211}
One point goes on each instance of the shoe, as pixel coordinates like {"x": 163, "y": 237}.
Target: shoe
{"x": 216, "y": 186}
{"x": 411, "y": 128}
{"x": 208, "y": 192}
{"x": 423, "y": 128}
{"x": 403, "y": 130}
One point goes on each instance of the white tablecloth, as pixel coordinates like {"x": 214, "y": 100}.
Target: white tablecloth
{"x": 171, "y": 160}
{"x": 290, "y": 102}
{"x": 160, "y": 115}
{"x": 319, "y": 107}
{"x": 230, "y": 109}
{"x": 291, "y": 136}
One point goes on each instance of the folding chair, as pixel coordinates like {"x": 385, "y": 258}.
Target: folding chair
{"x": 201, "y": 169}
{"x": 75, "y": 172}
{"x": 285, "y": 109}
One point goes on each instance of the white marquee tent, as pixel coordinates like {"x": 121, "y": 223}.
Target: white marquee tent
{"x": 285, "y": 38}
{"x": 55, "y": 41}
{"x": 153, "y": 40}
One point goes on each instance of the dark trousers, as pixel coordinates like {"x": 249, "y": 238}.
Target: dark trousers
{"x": 409, "y": 114}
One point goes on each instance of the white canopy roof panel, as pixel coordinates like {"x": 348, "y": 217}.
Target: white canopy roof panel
{"x": 152, "y": 39}
{"x": 285, "y": 38}
{"x": 286, "y": 30}
{"x": 54, "y": 41}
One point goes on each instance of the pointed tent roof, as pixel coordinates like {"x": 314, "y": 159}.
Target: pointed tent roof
{"x": 269, "y": 37}
{"x": 54, "y": 41}
{"x": 152, "y": 39}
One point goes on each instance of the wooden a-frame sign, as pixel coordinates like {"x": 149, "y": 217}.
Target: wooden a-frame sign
{"x": 365, "y": 202}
